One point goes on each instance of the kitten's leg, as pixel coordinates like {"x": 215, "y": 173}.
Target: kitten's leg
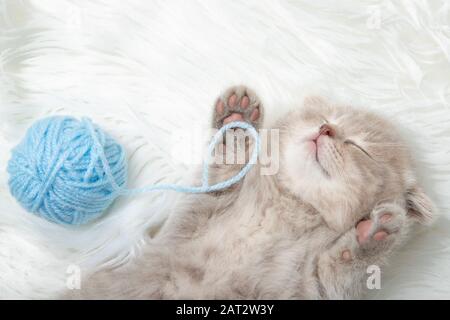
{"x": 236, "y": 104}
{"x": 343, "y": 269}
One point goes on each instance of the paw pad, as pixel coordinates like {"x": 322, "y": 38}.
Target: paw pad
{"x": 237, "y": 104}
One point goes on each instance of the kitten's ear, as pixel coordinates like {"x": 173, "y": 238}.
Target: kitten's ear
{"x": 419, "y": 205}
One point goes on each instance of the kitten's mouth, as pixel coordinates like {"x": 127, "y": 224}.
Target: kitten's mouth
{"x": 316, "y": 154}
{"x": 316, "y": 150}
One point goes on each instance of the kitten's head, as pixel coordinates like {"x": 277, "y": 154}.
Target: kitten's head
{"x": 344, "y": 161}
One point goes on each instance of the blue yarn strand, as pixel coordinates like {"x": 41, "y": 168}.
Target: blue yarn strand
{"x": 205, "y": 187}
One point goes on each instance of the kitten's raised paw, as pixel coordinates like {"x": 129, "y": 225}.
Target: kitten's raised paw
{"x": 385, "y": 220}
{"x": 385, "y": 227}
{"x": 237, "y": 104}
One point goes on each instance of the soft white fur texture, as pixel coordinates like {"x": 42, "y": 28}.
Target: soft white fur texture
{"x": 143, "y": 69}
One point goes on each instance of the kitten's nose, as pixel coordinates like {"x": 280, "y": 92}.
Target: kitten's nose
{"x": 327, "y": 130}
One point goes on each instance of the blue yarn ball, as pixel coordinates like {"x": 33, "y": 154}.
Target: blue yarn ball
{"x": 57, "y": 171}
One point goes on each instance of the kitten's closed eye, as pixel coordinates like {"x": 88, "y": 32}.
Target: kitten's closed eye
{"x": 354, "y": 144}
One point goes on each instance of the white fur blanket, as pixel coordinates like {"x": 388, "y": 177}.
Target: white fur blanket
{"x": 143, "y": 69}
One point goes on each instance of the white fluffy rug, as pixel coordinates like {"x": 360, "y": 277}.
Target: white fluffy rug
{"x": 143, "y": 69}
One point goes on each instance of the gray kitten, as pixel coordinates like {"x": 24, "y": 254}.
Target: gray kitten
{"x": 345, "y": 198}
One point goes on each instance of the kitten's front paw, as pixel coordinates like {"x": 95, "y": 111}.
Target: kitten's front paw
{"x": 237, "y": 104}
{"x": 386, "y": 224}
{"x": 385, "y": 220}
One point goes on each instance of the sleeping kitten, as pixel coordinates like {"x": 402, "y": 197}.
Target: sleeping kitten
{"x": 345, "y": 198}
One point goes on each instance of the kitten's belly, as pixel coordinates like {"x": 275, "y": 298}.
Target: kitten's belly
{"x": 235, "y": 258}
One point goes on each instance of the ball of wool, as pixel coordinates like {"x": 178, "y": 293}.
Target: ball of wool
{"x": 67, "y": 170}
